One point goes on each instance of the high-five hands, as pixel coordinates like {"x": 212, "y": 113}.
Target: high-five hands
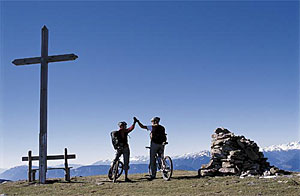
{"x": 135, "y": 119}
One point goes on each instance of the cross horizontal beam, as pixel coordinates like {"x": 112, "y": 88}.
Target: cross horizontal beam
{"x": 49, "y": 59}
{"x": 51, "y": 157}
{"x": 27, "y": 61}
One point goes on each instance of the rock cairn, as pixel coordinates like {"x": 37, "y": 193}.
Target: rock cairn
{"x": 235, "y": 155}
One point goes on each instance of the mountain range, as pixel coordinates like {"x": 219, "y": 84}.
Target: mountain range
{"x": 284, "y": 156}
{"x": 2, "y": 170}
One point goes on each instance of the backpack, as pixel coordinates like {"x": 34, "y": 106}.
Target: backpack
{"x": 159, "y": 135}
{"x": 115, "y": 139}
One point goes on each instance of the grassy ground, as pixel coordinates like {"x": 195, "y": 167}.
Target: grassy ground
{"x": 182, "y": 183}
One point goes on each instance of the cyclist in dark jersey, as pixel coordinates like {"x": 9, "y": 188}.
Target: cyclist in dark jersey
{"x": 158, "y": 137}
{"x": 124, "y": 147}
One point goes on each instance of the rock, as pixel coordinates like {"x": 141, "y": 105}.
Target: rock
{"x": 227, "y": 164}
{"x": 211, "y": 164}
{"x": 235, "y": 155}
{"x": 228, "y": 171}
{"x": 207, "y": 165}
{"x": 274, "y": 170}
{"x": 207, "y": 172}
{"x": 221, "y": 130}
{"x": 253, "y": 172}
{"x": 251, "y": 154}
{"x": 217, "y": 142}
{"x": 216, "y": 151}
{"x": 237, "y": 162}
{"x": 215, "y": 147}
{"x": 267, "y": 173}
{"x": 226, "y": 148}
{"x": 219, "y": 155}
{"x": 245, "y": 174}
{"x": 223, "y": 136}
{"x": 214, "y": 136}
{"x": 261, "y": 155}
{"x": 240, "y": 143}
{"x": 254, "y": 166}
{"x": 235, "y": 152}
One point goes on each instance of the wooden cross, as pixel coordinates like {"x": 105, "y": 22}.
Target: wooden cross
{"x": 44, "y": 59}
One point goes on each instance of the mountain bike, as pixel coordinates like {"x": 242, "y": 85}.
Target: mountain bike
{"x": 164, "y": 164}
{"x": 115, "y": 170}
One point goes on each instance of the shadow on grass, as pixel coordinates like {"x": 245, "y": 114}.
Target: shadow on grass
{"x": 185, "y": 177}
{"x": 63, "y": 182}
{"x": 122, "y": 181}
{"x": 53, "y": 182}
{"x": 146, "y": 178}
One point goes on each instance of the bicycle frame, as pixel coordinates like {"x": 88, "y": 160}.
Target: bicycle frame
{"x": 160, "y": 160}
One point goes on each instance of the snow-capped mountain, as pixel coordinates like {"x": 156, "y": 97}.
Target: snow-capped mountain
{"x": 145, "y": 159}
{"x": 140, "y": 160}
{"x": 103, "y": 162}
{"x": 284, "y": 156}
{"x": 193, "y": 155}
{"x": 133, "y": 160}
{"x": 283, "y": 147}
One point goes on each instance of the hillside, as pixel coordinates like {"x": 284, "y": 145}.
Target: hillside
{"x": 283, "y": 156}
{"x": 183, "y": 183}
{"x": 185, "y": 162}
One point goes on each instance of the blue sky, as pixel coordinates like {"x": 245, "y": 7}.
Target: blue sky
{"x": 197, "y": 65}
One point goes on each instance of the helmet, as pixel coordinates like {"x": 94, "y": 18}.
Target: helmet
{"x": 156, "y": 119}
{"x": 122, "y": 123}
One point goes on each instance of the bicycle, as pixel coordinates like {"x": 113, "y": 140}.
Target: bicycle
{"x": 164, "y": 164}
{"x": 115, "y": 170}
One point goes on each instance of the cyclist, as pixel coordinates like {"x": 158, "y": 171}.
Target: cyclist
{"x": 123, "y": 147}
{"x": 158, "y": 137}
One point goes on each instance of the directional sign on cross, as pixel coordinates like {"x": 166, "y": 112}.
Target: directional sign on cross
{"x": 44, "y": 59}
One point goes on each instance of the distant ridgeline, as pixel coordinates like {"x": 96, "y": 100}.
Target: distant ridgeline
{"x": 285, "y": 156}
{"x": 2, "y": 180}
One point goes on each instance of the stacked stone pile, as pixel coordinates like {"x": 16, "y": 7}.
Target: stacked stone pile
{"x": 235, "y": 155}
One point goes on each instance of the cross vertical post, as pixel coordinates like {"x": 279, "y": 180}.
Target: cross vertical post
{"x": 44, "y": 59}
{"x": 43, "y": 107}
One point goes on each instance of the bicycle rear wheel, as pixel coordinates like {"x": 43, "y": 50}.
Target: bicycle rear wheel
{"x": 116, "y": 170}
{"x": 167, "y": 169}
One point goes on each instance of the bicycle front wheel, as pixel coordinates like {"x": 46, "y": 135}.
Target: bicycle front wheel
{"x": 110, "y": 173}
{"x": 167, "y": 169}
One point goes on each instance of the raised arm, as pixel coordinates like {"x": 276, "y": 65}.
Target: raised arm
{"x": 132, "y": 126}
{"x": 140, "y": 124}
